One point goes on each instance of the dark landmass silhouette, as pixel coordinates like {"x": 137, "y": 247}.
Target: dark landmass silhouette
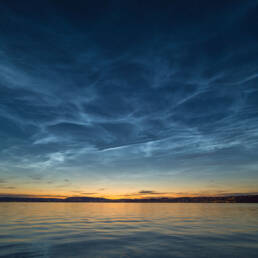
{"x": 222, "y": 199}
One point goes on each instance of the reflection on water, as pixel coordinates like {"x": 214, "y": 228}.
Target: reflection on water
{"x": 128, "y": 230}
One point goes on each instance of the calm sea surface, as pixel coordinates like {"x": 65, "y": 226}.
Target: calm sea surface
{"x": 128, "y": 230}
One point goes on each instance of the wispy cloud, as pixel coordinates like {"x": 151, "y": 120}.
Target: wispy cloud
{"x": 149, "y": 192}
{"x": 180, "y": 98}
{"x": 7, "y": 187}
{"x": 84, "y": 193}
{"x": 30, "y": 195}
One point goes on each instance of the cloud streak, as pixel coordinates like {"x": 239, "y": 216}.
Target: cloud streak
{"x": 178, "y": 94}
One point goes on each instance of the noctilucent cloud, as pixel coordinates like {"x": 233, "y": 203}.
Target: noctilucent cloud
{"x": 128, "y": 98}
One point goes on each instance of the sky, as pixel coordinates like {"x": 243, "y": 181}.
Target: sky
{"x": 128, "y": 99}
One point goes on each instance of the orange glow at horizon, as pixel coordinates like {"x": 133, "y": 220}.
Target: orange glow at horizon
{"x": 113, "y": 194}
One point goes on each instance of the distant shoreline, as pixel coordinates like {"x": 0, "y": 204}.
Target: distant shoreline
{"x": 224, "y": 199}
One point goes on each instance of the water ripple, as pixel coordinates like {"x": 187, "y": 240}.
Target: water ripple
{"x": 128, "y": 230}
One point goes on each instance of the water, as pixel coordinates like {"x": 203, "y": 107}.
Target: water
{"x": 128, "y": 230}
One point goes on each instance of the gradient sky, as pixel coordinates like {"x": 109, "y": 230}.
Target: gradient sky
{"x": 128, "y": 98}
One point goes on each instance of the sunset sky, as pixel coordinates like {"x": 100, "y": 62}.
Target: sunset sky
{"x": 128, "y": 98}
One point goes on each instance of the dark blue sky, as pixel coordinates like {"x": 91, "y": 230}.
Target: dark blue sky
{"x": 128, "y": 97}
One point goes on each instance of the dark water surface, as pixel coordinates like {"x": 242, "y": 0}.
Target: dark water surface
{"x": 128, "y": 230}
